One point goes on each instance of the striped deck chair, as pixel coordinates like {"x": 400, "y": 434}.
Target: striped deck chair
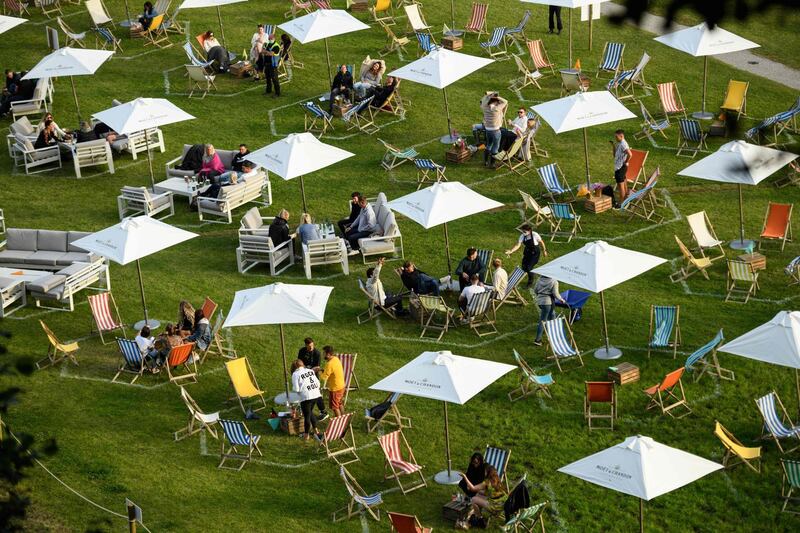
{"x": 670, "y": 97}
{"x": 699, "y": 361}
{"x": 339, "y": 441}
{"x": 517, "y": 33}
{"x": 541, "y": 61}
{"x": 435, "y": 315}
{"x": 298, "y": 6}
{"x": 395, "y": 465}
{"x": 348, "y": 361}
{"x": 359, "y": 501}
{"x": 198, "y": 420}
{"x": 650, "y": 125}
{"x": 316, "y": 119}
{"x": 529, "y": 382}
{"x": 321, "y": 4}
{"x": 624, "y": 84}
{"x": 554, "y": 182}
{"x": 526, "y": 76}
{"x": 790, "y": 482}
{"x": 669, "y": 395}
{"x": 777, "y": 224}
{"x": 704, "y": 235}
{"x": 793, "y": 271}
{"x": 540, "y": 214}
{"x": 386, "y": 412}
{"x": 237, "y": 435}
{"x": 406, "y": 523}
{"x": 509, "y": 158}
{"x": 560, "y": 342}
{"x": 496, "y": 45}
{"x": 527, "y": 519}
{"x": 665, "y": 328}
{"x": 394, "y": 157}
{"x": 481, "y": 314}
{"x": 564, "y": 214}
{"x": 777, "y": 425}
{"x": 485, "y": 258}
{"x": 600, "y": 392}
{"x": 612, "y": 59}
{"x": 691, "y": 264}
{"x": 105, "y": 39}
{"x": 424, "y": 169}
{"x": 736, "y": 98}
{"x": 512, "y": 294}
{"x": 776, "y": 124}
{"x": 156, "y": 34}
{"x": 245, "y": 385}
{"x": 172, "y": 24}
{"x": 360, "y": 117}
{"x": 194, "y": 60}
{"x": 218, "y": 346}
{"x": 382, "y": 12}
{"x": 15, "y": 7}
{"x": 792, "y": 176}
{"x": 736, "y": 452}
{"x": 394, "y": 43}
{"x": 477, "y": 21}
{"x": 71, "y": 38}
{"x": 57, "y": 351}
{"x": 374, "y": 309}
{"x": 498, "y": 458}
{"x": 49, "y": 7}
{"x": 180, "y": 357}
{"x": 426, "y": 43}
{"x": 105, "y": 314}
{"x": 642, "y": 204}
{"x": 691, "y": 137}
{"x": 742, "y": 281}
{"x": 636, "y": 172}
{"x": 132, "y": 360}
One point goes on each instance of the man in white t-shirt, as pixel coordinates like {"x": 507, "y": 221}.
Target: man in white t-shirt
{"x": 475, "y": 287}
{"x": 519, "y": 124}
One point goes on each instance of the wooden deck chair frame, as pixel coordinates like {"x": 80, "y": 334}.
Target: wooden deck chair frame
{"x": 50, "y": 6}
{"x": 483, "y": 319}
{"x": 550, "y": 351}
{"x": 71, "y": 38}
{"x": 526, "y": 77}
{"x": 709, "y": 228}
{"x": 391, "y": 417}
{"x": 669, "y": 395}
{"x": 692, "y": 265}
{"x": 675, "y": 340}
{"x": 737, "y": 453}
{"x": 791, "y": 481}
{"x": 409, "y": 521}
{"x": 390, "y": 471}
{"x": 343, "y": 449}
{"x": 708, "y": 362}
{"x": 741, "y": 108}
{"x": 354, "y": 507}
{"x": 103, "y": 37}
{"x": 431, "y": 308}
{"x": 683, "y": 140}
{"x": 114, "y": 315}
{"x": 316, "y": 123}
{"x": 232, "y": 453}
{"x": 620, "y": 65}
{"x": 528, "y": 385}
{"x": 540, "y": 214}
{"x": 477, "y": 19}
{"x": 394, "y": 43}
{"x": 394, "y": 157}
{"x": 198, "y": 419}
{"x": 429, "y": 171}
{"x": 17, "y": 7}
{"x": 568, "y": 193}
{"x": 527, "y": 519}
{"x": 674, "y": 95}
{"x": 642, "y": 203}
{"x": 125, "y": 369}
{"x": 374, "y": 309}
{"x": 650, "y": 124}
{"x": 543, "y": 61}
{"x": 793, "y": 271}
{"x": 571, "y": 217}
{"x": 787, "y": 229}
{"x": 361, "y": 117}
{"x": 508, "y": 158}
{"x": 57, "y": 351}
{"x": 496, "y": 47}
{"x": 512, "y": 295}
{"x": 217, "y": 345}
{"x": 597, "y": 392}
{"x": 784, "y": 418}
{"x": 792, "y": 176}
{"x": 636, "y": 173}
{"x": 385, "y": 16}
{"x": 254, "y": 383}
{"x": 297, "y": 7}
{"x": 156, "y": 35}
{"x": 98, "y": 8}
{"x": 199, "y": 80}
{"x": 733, "y": 285}
{"x": 182, "y": 356}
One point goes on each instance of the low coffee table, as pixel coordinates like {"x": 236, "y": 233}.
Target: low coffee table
{"x": 13, "y": 282}
{"x": 179, "y": 187}
{"x": 24, "y": 274}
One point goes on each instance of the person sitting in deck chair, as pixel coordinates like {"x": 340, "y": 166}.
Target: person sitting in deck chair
{"x": 471, "y": 264}
{"x": 475, "y": 287}
{"x": 185, "y": 323}
{"x": 342, "y": 85}
{"x": 490, "y": 496}
{"x": 374, "y": 288}
{"x": 146, "y": 344}
{"x": 166, "y": 341}
{"x": 519, "y": 123}
{"x": 416, "y": 280}
{"x": 383, "y": 92}
{"x": 547, "y": 293}
{"x": 500, "y": 277}
{"x": 148, "y": 14}
{"x": 216, "y": 52}
{"x": 370, "y": 78}
{"x": 475, "y": 474}
{"x": 201, "y": 334}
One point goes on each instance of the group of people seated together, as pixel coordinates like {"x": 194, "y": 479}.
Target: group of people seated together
{"x": 191, "y": 326}
{"x": 345, "y": 90}
{"x": 500, "y": 134}
{"x": 481, "y": 483}
{"x": 308, "y": 375}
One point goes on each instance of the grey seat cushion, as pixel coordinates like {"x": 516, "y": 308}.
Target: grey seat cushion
{"x": 73, "y": 236}
{"x": 158, "y": 202}
{"x": 47, "y": 283}
{"x": 254, "y": 240}
{"x": 7, "y": 282}
{"x": 211, "y": 205}
{"x": 376, "y": 247}
{"x": 72, "y": 269}
{"x": 14, "y": 256}
{"x": 43, "y": 258}
{"x": 252, "y": 219}
{"x": 281, "y": 254}
{"x": 178, "y": 173}
{"x": 21, "y": 239}
{"x": 71, "y": 257}
{"x": 51, "y": 241}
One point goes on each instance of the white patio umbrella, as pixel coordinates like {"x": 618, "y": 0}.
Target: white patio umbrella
{"x": 140, "y": 115}
{"x": 776, "y": 342}
{"x": 6, "y": 23}
{"x": 446, "y": 377}
{"x": 582, "y": 111}
{"x": 743, "y": 164}
{"x": 296, "y": 155}
{"x": 598, "y": 266}
{"x": 703, "y": 41}
{"x": 69, "y": 62}
{"x": 279, "y": 303}
{"x": 641, "y": 467}
{"x": 321, "y": 24}
{"x": 439, "y": 69}
{"x": 441, "y": 203}
{"x": 129, "y": 241}
{"x": 570, "y": 5}
{"x": 197, "y": 4}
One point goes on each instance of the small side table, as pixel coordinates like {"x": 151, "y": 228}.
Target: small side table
{"x": 341, "y": 109}
{"x": 623, "y": 373}
{"x": 756, "y": 260}
{"x": 12, "y": 296}
{"x": 241, "y": 69}
{"x": 455, "y": 510}
{"x": 598, "y": 204}
{"x": 454, "y": 155}
{"x": 452, "y": 42}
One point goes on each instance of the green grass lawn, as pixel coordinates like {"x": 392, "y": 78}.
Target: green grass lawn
{"x": 115, "y": 441}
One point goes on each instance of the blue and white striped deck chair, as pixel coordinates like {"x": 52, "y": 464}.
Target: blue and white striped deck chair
{"x": 529, "y": 382}
{"x": 564, "y": 214}
{"x": 560, "y": 342}
{"x": 496, "y": 45}
{"x": 361, "y": 118}
{"x": 132, "y": 359}
{"x": 104, "y": 38}
{"x": 623, "y": 85}
{"x": 612, "y": 58}
{"x": 426, "y": 44}
{"x": 742, "y": 281}
{"x": 237, "y": 434}
{"x": 778, "y": 123}
{"x": 533, "y": 148}
{"x": 386, "y": 412}
{"x": 485, "y": 257}
{"x": 665, "y": 328}
{"x": 171, "y": 23}
{"x": 526, "y": 519}
{"x": 793, "y": 271}
{"x": 512, "y": 294}
{"x": 642, "y": 203}
{"x": 193, "y": 59}
{"x": 777, "y": 425}
{"x": 498, "y": 458}
{"x": 359, "y": 500}
{"x": 481, "y": 314}
{"x": 316, "y": 119}
{"x": 517, "y": 33}
{"x": 699, "y": 364}
{"x": 650, "y": 125}
{"x": 394, "y": 157}
{"x": 554, "y": 182}
{"x": 691, "y": 137}
{"x": 424, "y": 169}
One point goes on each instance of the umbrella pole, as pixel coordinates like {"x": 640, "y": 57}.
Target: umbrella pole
{"x": 75, "y": 96}
{"x": 141, "y": 291}
{"x": 447, "y": 477}
{"x": 741, "y": 244}
{"x": 221, "y": 30}
{"x": 149, "y": 160}
{"x": 586, "y": 158}
{"x": 797, "y": 385}
{"x": 703, "y": 114}
{"x": 453, "y": 14}
{"x": 608, "y": 351}
{"x": 127, "y": 16}
{"x": 447, "y": 248}
{"x": 569, "y": 24}
{"x": 303, "y": 194}
{"x": 447, "y": 139}
{"x": 641, "y": 515}
{"x": 285, "y": 373}
{"x": 328, "y": 58}
{"x": 591, "y": 8}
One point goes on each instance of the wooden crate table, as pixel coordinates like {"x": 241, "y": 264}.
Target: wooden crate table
{"x": 341, "y": 109}
{"x": 455, "y": 510}
{"x": 623, "y": 373}
{"x": 452, "y": 42}
{"x": 358, "y": 5}
{"x": 241, "y": 69}
{"x": 455, "y": 155}
{"x": 758, "y": 261}
{"x": 292, "y": 426}
{"x": 598, "y": 204}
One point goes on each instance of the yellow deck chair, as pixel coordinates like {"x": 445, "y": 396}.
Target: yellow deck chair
{"x": 57, "y": 351}
{"x": 736, "y": 98}
{"x": 691, "y": 265}
{"x": 735, "y": 452}
{"x": 244, "y": 384}
{"x": 156, "y": 34}
{"x": 382, "y": 12}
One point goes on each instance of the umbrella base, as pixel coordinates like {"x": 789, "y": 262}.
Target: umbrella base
{"x": 448, "y": 139}
{"x": 703, "y": 115}
{"x": 442, "y": 478}
{"x": 294, "y": 398}
{"x": 609, "y": 353}
{"x": 453, "y": 33}
{"x": 127, "y": 23}
{"x": 739, "y": 244}
{"x": 151, "y": 323}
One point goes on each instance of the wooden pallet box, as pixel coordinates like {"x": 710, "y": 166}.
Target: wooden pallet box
{"x": 452, "y": 42}
{"x": 623, "y": 373}
{"x": 597, "y": 204}
{"x": 455, "y": 510}
{"x": 292, "y": 426}
{"x": 455, "y": 155}
{"x": 757, "y": 260}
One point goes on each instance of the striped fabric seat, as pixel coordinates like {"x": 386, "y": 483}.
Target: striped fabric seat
{"x": 498, "y": 458}
{"x": 193, "y": 59}
{"x": 664, "y": 327}
{"x": 789, "y": 483}
{"x": 650, "y": 125}
{"x": 557, "y": 335}
{"x": 670, "y": 98}
{"x": 793, "y": 270}
{"x": 642, "y": 203}
{"x": 564, "y": 214}
{"x": 390, "y": 444}
{"x": 742, "y": 280}
{"x": 497, "y": 42}
{"x": 16, "y": 7}
{"x": 691, "y": 138}
{"x": 478, "y": 303}
{"x": 359, "y": 500}
{"x": 529, "y": 382}
{"x": 366, "y": 500}
{"x": 107, "y": 38}
{"x": 704, "y": 350}
{"x": 519, "y": 29}
{"x": 513, "y": 280}
{"x": 777, "y": 122}
{"x": 337, "y": 428}
{"x": 480, "y": 313}
{"x": 698, "y": 361}
{"x": 551, "y": 179}
{"x": 426, "y": 164}
{"x": 348, "y": 361}
{"x": 360, "y": 117}
{"x": 562, "y": 211}
{"x": 237, "y": 433}
{"x": 408, "y": 153}
{"x": 612, "y": 57}
{"x": 398, "y": 465}
{"x": 316, "y": 119}
{"x": 617, "y": 80}
{"x": 485, "y": 257}
{"x": 321, "y": 4}
{"x": 690, "y": 129}
{"x": 395, "y": 156}
{"x": 426, "y": 43}
{"x": 772, "y": 420}
{"x": 339, "y": 441}
{"x": 539, "y": 55}
{"x": 477, "y": 22}
{"x": 130, "y": 352}
{"x": 316, "y": 110}
{"x": 525, "y": 519}
{"x": 104, "y": 318}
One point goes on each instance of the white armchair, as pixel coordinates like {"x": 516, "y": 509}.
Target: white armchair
{"x": 91, "y": 154}
{"x": 141, "y": 201}
{"x": 33, "y": 158}
{"x": 330, "y": 251}
{"x": 255, "y": 246}
{"x": 37, "y": 105}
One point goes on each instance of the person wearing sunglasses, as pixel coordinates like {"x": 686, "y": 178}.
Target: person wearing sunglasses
{"x": 215, "y": 52}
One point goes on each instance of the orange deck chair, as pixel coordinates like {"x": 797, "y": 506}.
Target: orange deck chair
{"x": 181, "y": 356}
{"x": 600, "y": 392}
{"x": 777, "y": 224}
{"x": 636, "y": 172}
{"x": 406, "y": 523}
{"x": 669, "y": 394}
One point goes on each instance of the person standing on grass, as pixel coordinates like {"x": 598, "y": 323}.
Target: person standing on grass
{"x": 334, "y": 375}
{"x": 622, "y": 154}
{"x": 547, "y": 293}
{"x": 494, "y": 112}
{"x": 532, "y": 248}
{"x": 555, "y": 12}
{"x": 272, "y": 53}
{"x": 306, "y": 384}
{"x": 311, "y": 359}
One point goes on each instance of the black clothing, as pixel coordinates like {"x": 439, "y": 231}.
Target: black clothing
{"x": 278, "y": 231}
{"x": 355, "y": 209}
{"x": 193, "y": 160}
{"x": 620, "y": 174}
{"x": 342, "y": 80}
{"x": 271, "y": 63}
{"x": 147, "y": 18}
{"x": 531, "y": 252}
{"x": 238, "y": 159}
{"x": 519, "y": 499}
{"x": 220, "y": 57}
{"x": 310, "y": 359}
{"x": 469, "y": 268}
{"x": 309, "y": 418}
{"x": 475, "y": 475}
{"x": 555, "y": 11}
{"x": 419, "y": 282}
{"x": 382, "y": 94}
{"x": 44, "y": 142}
{"x": 86, "y": 136}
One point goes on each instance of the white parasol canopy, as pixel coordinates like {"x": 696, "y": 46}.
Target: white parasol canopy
{"x": 7, "y": 23}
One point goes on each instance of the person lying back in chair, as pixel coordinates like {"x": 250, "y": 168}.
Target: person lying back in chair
{"x": 216, "y": 52}
{"x": 375, "y": 289}
{"x": 416, "y": 280}
{"x": 232, "y": 177}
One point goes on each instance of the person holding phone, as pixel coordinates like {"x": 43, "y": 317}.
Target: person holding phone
{"x": 622, "y": 154}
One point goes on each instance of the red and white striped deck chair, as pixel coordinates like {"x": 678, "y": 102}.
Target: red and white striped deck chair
{"x": 395, "y": 465}
{"x": 339, "y": 441}
{"x": 670, "y": 98}
{"x": 539, "y": 57}
{"x": 105, "y": 314}
{"x": 209, "y": 306}
{"x": 477, "y": 22}
{"x": 15, "y": 7}
{"x": 348, "y": 361}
